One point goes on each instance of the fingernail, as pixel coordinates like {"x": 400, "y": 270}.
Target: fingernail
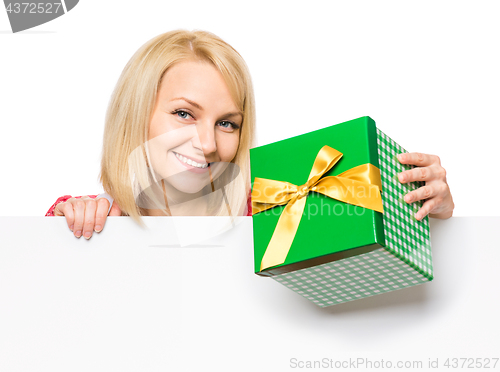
{"x": 417, "y": 216}
{"x": 97, "y": 228}
{"x": 408, "y": 198}
{"x": 71, "y": 227}
{"x": 402, "y": 177}
{"x": 401, "y": 157}
{"x": 78, "y": 234}
{"x": 87, "y": 235}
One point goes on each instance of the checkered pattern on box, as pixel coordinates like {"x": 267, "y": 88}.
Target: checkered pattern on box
{"x": 352, "y": 278}
{"x": 405, "y": 237}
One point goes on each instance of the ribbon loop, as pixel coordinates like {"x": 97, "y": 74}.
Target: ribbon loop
{"x": 359, "y": 186}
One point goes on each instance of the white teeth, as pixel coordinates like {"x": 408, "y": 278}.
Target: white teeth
{"x": 189, "y": 161}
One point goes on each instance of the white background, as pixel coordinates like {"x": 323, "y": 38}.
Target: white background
{"x": 426, "y": 72}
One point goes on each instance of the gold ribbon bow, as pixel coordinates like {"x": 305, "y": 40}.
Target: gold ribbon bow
{"x": 364, "y": 179}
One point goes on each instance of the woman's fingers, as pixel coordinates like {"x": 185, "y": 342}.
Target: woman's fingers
{"x": 427, "y": 207}
{"x": 90, "y": 217}
{"x": 436, "y": 192}
{"x": 65, "y": 209}
{"x": 422, "y": 174}
{"x": 418, "y": 159}
{"x": 422, "y": 193}
{"x": 115, "y": 210}
{"x": 86, "y": 215}
{"x": 101, "y": 214}
{"x": 79, "y": 211}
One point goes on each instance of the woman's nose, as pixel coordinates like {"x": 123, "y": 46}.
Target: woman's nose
{"x": 205, "y": 139}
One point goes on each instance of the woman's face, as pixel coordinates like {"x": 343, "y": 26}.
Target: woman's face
{"x": 195, "y": 124}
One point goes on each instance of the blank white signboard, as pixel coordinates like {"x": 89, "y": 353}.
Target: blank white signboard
{"x": 135, "y": 298}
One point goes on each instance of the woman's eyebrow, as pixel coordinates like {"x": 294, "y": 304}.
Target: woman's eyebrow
{"x": 231, "y": 114}
{"x": 192, "y": 103}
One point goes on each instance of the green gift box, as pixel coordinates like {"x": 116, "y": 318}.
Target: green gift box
{"x": 342, "y": 252}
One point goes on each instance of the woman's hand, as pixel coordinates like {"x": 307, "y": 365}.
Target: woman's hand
{"x": 85, "y": 215}
{"x": 436, "y": 192}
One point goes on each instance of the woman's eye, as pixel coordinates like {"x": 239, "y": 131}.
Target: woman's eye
{"x": 183, "y": 114}
{"x": 227, "y": 125}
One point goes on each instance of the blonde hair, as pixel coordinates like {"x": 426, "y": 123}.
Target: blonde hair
{"x": 133, "y": 101}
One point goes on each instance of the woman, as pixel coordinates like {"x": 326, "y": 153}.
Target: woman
{"x": 178, "y": 130}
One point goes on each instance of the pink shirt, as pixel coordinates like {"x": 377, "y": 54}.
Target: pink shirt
{"x": 64, "y": 198}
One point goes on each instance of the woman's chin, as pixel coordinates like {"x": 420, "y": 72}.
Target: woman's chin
{"x": 187, "y": 188}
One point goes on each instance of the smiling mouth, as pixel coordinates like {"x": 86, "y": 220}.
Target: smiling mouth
{"x": 191, "y": 162}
